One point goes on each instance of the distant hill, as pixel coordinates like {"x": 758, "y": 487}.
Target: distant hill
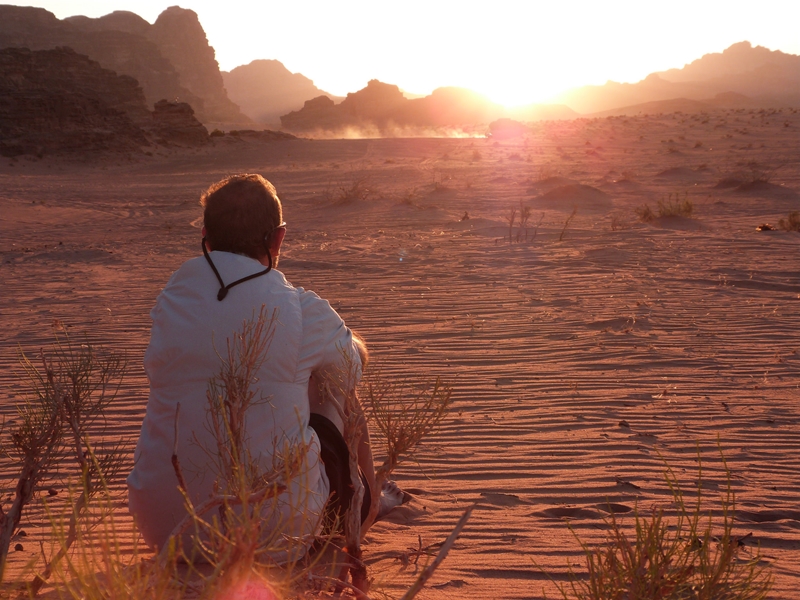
{"x": 726, "y": 100}
{"x": 265, "y": 90}
{"x": 382, "y": 109}
{"x": 542, "y": 112}
{"x": 768, "y": 78}
{"x": 170, "y": 59}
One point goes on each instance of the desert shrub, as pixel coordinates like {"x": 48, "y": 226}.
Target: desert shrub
{"x": 672, "y": 206}
{"x": 217, "y": 133}
{"x": 676, "y": 207}
{"x": 546, "y": 172}
{"x": 645, "y": 213}
{"x": 409, "y": 197}
{"x": 619, "y": 222}
{"x": 567, "y": 223}
{"x": 511, "y": 218}
{"x": 524, "y": 217}
{"x": 687, "y": 557}
{"x": 750, "y": 174}
{"x": 353, "y": 189}
{"x": 70, "y": 388}
{"x": 754, "y": 173}
{"x": 791, "y": 222}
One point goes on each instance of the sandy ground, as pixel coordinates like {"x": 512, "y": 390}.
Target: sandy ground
{"x": 578, "y": 365}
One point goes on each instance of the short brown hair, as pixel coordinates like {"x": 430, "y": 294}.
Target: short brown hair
{"x": 240, "y": 212}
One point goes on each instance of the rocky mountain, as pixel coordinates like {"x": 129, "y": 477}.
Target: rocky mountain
{"x": 180, "y": 37}
{"x": 765, "y": 77}
{"x": 170, "y": 59}
{"x": 265, "y": 90}
{"x": 59, "y": 101}
{"x": 383, "y": 109}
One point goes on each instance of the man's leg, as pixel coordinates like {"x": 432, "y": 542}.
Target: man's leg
{"x": 326, "y": 405}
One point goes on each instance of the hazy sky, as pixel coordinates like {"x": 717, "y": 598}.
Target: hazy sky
{"x": 514, "y": 52}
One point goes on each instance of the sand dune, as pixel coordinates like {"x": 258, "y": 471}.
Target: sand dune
{"x": 578, "y": 366}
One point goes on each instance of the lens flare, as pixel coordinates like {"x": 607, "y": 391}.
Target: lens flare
{"x": 252, "y": 588}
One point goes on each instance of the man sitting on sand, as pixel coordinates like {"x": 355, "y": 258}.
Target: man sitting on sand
{"x": 206, "y": 302}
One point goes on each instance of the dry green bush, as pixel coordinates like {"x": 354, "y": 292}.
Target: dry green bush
{"x": 688, "y": 557}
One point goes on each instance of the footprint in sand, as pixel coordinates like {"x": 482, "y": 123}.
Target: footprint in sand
{"x": 497, "y": 499}
{"x": 768, "y": 516}
{"x": 613, "y": 508}
{"x": 568, "y": 512}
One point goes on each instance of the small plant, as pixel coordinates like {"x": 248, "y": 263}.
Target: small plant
{"x": 756, "y": 173}
{"x": 511, "y": 217}
{"x": 677, "y": 207}
{"x": 690, "y": 557}
{"x": 546, "y": 172}
{"x": 791, "y": 222}
{"x": 524, "y": 216}
{"x": 567, "y": 222}
{"x": 618, "y": 222}
{"x": 672, "y": 206}
{"x": 70, "y": 392}
{"x": 358, "y": 188}
{"x": 409, "y": 197}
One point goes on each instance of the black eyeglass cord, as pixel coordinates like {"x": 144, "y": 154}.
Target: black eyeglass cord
{"x": 223, "y": 289}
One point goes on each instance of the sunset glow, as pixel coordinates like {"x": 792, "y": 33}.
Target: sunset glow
{"x": 513, "y": 54}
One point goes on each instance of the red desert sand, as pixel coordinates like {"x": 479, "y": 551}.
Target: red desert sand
{"x": 581, "y": 360}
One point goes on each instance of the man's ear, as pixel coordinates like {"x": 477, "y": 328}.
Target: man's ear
{"x": 276, "y": 239}
{"x": 203, "y": 231}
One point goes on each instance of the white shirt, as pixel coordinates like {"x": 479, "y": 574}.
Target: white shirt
{"x": 189, "y": 335}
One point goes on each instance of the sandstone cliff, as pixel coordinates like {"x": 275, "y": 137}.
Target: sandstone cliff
{"x": 180, "y": 37}
{"x": 61, "y": 102}
{"x": 127, "y": 44}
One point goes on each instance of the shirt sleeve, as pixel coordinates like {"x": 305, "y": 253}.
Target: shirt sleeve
{"x": 327, "y": 346}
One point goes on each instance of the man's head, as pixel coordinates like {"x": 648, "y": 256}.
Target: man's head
{"x": 242, "y": 214}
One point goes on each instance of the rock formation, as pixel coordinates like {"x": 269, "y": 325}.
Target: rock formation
{"x": 128, "y": 45}
{"x": 58, "y": 101}
{"x": 180, "y": 37}
{"x": 383, "y": 109}
{"x": 174, "y": 122}
{"x": 265, "y": 90}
